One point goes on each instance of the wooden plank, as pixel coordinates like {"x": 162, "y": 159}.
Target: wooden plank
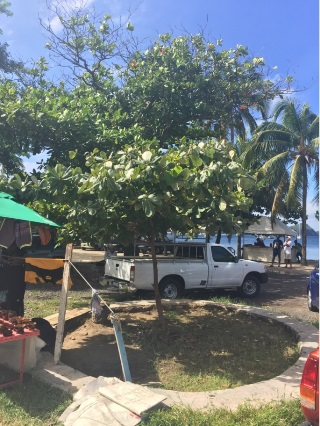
{"x": 63, "y": 304}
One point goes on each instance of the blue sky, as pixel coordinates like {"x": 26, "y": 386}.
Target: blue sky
{"x": 284, "y": 32}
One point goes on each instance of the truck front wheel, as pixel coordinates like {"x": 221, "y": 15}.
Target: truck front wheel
{"x": 250, "y": 287}
{"x": 170, "y": 288}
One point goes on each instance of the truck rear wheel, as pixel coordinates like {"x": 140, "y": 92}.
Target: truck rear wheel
{"x": 170, "y": 288}
{"x": 250, "y": 287}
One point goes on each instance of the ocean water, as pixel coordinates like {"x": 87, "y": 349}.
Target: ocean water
{"x": 312, "y": 243}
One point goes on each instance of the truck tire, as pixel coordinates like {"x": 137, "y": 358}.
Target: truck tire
{"x": 311, "y": 307}
{"x": 170, "y": 288}
{"x": 250, "y": 287}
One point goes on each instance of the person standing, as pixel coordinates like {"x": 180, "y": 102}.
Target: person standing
{"x": 298, "y": 248}
{"x": 287, "y": 251}
{"x": 276, "y": 250}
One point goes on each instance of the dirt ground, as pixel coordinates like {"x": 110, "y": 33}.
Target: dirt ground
{"x": 91, "y": 348}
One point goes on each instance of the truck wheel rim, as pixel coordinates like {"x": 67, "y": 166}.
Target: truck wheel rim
{"x": 170, "y": 291}
{"x": 250, "y": 287}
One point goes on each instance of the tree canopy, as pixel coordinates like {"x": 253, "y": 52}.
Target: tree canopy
{"x": 177, "y": 91}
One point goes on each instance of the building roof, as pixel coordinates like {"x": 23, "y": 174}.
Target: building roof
{"x": 264, "y": 226}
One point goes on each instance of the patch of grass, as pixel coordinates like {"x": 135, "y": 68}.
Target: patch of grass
{"x": 32, "y": 403}
{"x": 229, "y": 300}
{"x": 284, "y": 413}
{"x": 35, "y": 404}
{"x": 201, "y": 350}
{"x": 42, "y": 301}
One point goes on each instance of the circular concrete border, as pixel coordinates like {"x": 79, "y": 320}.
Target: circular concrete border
{"x": 284, "y": 386}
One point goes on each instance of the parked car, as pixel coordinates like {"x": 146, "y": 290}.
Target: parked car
{"x": 309, "y": 390}
{"x": 313, "y": 290}
{"x": 92, "y": 246}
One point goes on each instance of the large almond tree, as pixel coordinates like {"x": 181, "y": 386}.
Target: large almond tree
{"x": 288, "y": 158}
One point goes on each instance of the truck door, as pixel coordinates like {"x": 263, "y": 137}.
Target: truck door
{"x": 192, "y": 266}
{"x": 224, "y": 269}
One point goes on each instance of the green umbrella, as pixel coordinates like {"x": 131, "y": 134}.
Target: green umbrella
{"x": 13, "y": 210}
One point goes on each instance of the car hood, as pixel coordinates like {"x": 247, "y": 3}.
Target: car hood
{"x": 257, "y": 265}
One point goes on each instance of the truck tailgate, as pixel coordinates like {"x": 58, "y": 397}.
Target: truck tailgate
{"x": 118, "y": 268}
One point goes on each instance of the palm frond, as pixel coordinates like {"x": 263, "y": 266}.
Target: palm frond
{"x": 279, "y": 107}
{"x": 269, "y": 126}
{"x": 315, "y": 179}
{"x": 278, "y": 198}
{"x": 274, "y": 169}
{"x": 292, "y": 118}
{"x": 295, "y": 185}
{"x": 275, "y": 162}
{"x": 315, "y": 143}
{"x": 313, "y": 131}
{"x": 306, "y": 119}
{"x": 248, "y": 118}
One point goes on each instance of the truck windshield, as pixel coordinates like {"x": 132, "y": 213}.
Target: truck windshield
{"x": 220, "y": 254}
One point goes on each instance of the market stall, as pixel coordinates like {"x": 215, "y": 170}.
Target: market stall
{"x": 18, "y": 336}
{"x": 264, "y": 227}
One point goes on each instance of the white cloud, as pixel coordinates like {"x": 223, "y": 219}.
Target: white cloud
{"x": 64, "y": 7}
{"x": 55, "y": 25}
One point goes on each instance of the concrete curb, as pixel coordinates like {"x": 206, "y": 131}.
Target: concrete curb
{"x": 284, "y": 386}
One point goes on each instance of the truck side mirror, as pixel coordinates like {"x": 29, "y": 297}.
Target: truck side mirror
{"x": 236, "y": 259}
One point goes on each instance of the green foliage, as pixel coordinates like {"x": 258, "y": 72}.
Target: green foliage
{"x": 284, "y": 155}
{"x": 145, "y": 190}
{"x": 186, "y": 86}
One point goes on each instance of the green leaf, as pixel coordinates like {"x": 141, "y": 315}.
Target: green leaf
{"x": 196, "y": 160}
{"x": 147, "y": 155}
{"x": 72, "y": 154}
{"x": 246, "y": 182}
{"x": 148, "y": 208}
{"x": 184, "y": 174}
{"x": 222, "y": 205}
{"x": 169, "y": 179}
{"x": 129, "y": 173}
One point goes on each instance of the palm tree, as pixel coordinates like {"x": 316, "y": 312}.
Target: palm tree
{"x": 286, "y": 154}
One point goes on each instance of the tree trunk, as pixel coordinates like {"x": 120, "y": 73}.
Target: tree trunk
{"x": 239, "y": 254}
{"x": 304, "y": 215}
{"x": 218, "y": 237}
{"x": 155, "y": 281}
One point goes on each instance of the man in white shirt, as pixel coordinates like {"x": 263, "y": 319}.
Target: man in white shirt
{"x": 287, "y": 251}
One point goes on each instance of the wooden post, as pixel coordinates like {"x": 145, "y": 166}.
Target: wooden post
{"x": 63, "y": 304}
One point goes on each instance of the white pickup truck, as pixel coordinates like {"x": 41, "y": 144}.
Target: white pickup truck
{"x": 192, "y": 266}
